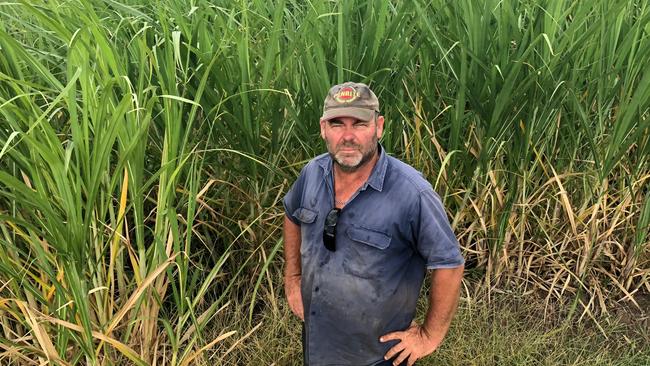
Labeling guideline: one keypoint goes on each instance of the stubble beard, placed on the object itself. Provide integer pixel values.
(351, 164)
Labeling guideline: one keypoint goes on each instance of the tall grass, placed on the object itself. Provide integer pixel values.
(144, 150)
(102, 213)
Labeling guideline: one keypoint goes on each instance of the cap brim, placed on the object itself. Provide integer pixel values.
(362, 114)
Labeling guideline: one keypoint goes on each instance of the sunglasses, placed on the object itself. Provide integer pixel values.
(329, 232)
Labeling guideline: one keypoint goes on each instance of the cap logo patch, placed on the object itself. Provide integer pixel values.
(346, 95)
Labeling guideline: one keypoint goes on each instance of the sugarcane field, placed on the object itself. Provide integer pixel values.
(324, 182)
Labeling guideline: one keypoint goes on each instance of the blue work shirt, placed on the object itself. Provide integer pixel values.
(391, 230)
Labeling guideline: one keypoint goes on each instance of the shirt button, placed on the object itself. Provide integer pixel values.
(316, 289)
(313, 313)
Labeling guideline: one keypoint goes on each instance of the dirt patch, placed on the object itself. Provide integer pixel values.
(636, 318)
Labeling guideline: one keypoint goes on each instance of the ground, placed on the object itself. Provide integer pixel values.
(505, 328)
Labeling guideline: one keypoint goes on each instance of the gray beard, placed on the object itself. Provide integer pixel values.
(364, 160)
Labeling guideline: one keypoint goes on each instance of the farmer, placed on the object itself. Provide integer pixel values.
(361, 230)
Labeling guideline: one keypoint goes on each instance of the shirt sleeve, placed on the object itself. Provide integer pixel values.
(435, 239)
(293, 199)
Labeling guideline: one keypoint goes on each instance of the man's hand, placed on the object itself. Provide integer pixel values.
(294, 295)
(418, 341)
(414, 344)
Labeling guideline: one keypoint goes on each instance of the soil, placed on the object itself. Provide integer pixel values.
(636, 318)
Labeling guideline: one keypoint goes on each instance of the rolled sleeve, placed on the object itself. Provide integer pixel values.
(293, 199)
(435, 240)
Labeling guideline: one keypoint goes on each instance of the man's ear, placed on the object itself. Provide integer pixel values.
(322, 128)
(380, 126)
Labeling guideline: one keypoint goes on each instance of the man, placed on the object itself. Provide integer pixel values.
(360, 231)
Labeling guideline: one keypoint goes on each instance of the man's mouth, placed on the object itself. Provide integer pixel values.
(348, 149)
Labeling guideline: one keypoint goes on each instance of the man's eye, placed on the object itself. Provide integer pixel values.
(361, 125)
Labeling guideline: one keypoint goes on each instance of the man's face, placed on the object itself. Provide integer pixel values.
(351, 142)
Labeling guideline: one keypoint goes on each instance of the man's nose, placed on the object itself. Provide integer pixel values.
(348, 133)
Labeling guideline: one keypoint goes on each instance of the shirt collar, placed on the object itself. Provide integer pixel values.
(376, 178)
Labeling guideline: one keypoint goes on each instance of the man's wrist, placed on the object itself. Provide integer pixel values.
(292, 275)
(431, 337)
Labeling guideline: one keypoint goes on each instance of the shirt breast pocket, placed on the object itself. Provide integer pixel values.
(305, 215)
(367, 252)
(308, 219)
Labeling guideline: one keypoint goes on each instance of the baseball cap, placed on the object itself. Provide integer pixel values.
(350, 100)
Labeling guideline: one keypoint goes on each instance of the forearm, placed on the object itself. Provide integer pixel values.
(443, 301)
(291, 233)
